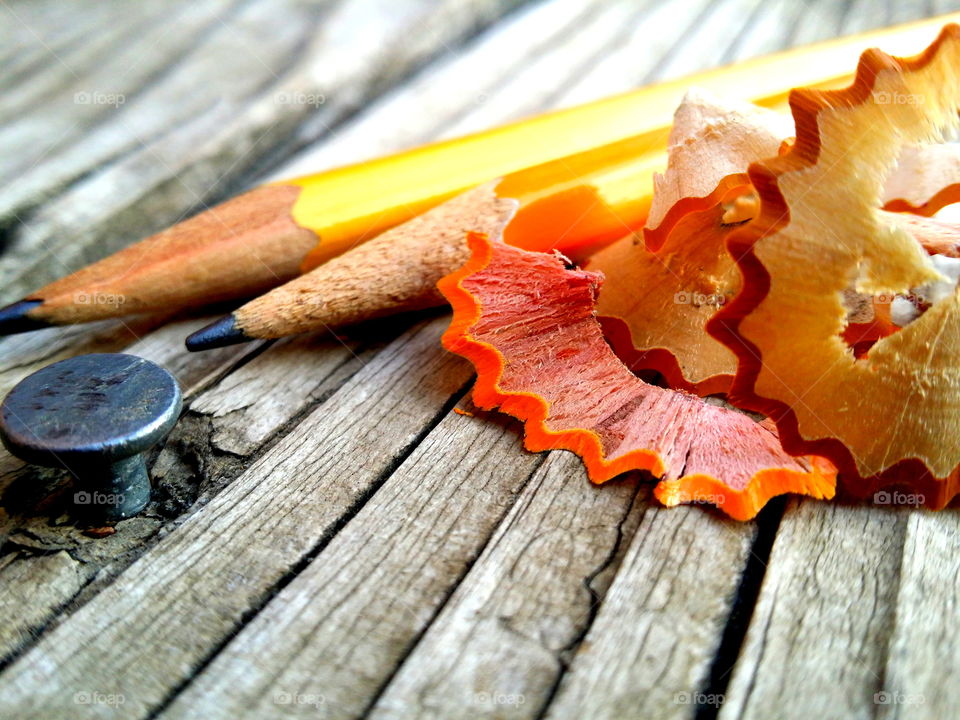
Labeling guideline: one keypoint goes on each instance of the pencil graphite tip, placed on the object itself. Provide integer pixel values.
(220, 333)
(14, 318)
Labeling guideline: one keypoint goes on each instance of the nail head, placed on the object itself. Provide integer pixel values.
(94, 415)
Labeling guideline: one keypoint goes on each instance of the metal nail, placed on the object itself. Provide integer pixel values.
(94, 415)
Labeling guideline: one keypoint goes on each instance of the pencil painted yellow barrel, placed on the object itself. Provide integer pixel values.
(348, 205)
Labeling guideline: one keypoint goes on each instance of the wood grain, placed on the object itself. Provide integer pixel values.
(256, 405)
(31, 589)
(649, 651)
(922, 652)
(819, 634)
(419, 110)
(504, 637)
(225, 428)
(251, 404)
(339, 629)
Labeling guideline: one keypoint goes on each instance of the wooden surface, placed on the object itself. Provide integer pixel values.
(328, 538)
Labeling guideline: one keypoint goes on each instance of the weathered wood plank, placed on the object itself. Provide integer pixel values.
(923, 654)
(193, 371)
(339, 629)
(108, 60)
(147, 632)
(633, 61)
(938, 7)
(503, 75)
(899, 12)
(862, 15)
(818, 637)
(34, 499)
(38, 35)
(533, 86)
(819, 21)
(649, 651)
(706, 40)
(249, 405)
(238, 418)
(234, 419)
(773, 27)
(209, 448)
(422, 109)
(138, 129)
(54, 133)
(502, 640)
(521, 66)
(231, 423)
(30, 592)
(220, 403)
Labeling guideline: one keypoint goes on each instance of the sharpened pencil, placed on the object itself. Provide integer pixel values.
(395, 272)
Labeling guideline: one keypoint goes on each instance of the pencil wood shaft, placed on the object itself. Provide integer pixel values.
(396, 271)
(196, 261)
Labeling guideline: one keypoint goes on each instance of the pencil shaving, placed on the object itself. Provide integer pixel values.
(834, 304)
(527, 323)
(897, 402)
(659, 294)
